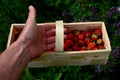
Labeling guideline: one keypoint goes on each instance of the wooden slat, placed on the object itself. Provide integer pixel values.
(59, 36)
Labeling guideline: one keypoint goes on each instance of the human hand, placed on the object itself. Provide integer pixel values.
(37, 38)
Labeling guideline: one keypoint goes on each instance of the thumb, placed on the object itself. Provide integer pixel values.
(32, 15)
(31, 20)
(30, 23)
(32, 12)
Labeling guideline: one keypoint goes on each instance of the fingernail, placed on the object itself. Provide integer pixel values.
(30, 6)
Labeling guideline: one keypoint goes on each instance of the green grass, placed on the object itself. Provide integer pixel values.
(16, 11)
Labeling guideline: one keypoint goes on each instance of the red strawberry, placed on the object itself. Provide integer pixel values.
(91, 31)
(81, 42)
(76, 48)
(75, 39)
(69, 36)
(100, 47)
(88, 34)
(98, 32)
(65, 46)
(83, 32)
(83, 48)
(76, 32)
(69, 42)
(81, 36)
(87, 41)
(94, 37)
(95, 48)
(100, 41)
(91, 46)
(68, 49)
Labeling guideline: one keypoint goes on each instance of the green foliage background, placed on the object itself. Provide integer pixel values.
(16, 11)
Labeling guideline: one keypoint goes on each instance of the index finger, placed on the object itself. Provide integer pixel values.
(52, 32)
(49, 26)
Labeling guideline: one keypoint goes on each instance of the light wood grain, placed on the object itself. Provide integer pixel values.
(59, 37)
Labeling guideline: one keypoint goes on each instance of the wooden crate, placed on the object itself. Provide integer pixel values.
(71, 58)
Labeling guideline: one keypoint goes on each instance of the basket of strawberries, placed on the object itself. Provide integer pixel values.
(87, 43)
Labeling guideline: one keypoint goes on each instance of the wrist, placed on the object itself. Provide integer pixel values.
(25, 47)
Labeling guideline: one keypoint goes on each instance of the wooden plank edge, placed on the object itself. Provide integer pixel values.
(9, 36)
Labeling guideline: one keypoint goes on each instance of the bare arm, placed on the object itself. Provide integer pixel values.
(32, 42)
(13, 61)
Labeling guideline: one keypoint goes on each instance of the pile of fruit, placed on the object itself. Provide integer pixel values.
(78, 40)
